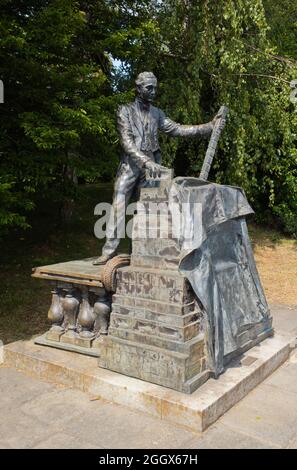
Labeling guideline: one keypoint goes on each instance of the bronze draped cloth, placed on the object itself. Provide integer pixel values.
(219, 263)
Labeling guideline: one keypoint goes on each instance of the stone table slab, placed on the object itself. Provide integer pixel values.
(77, 271)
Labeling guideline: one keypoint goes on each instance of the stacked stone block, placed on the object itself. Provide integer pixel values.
(154, 331)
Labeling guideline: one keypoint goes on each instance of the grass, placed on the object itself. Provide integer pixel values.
(24, 301)
(276, 258)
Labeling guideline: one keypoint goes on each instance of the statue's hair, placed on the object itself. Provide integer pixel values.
(143, 76)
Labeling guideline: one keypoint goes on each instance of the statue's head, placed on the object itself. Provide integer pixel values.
(146, 86)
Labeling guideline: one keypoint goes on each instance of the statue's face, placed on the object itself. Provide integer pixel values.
(147, 90)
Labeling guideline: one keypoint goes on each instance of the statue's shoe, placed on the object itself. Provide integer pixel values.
(103, 259)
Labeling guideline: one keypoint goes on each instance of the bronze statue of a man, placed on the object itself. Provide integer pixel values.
(138, 125)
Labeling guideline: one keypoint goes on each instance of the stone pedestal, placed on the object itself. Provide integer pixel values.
(142, 319)
(154, 331)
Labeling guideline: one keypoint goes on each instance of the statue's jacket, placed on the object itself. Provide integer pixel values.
(138, 127)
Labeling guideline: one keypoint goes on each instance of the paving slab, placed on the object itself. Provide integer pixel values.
(285, 378)
(58, 407)
(62, 440)
(293, 443)
(19, 431)
(220, 436)
(284, 318)
(13, 391)
(71, 419)
(4, 444)
(266, 413)
(72, 411)
(117, 427)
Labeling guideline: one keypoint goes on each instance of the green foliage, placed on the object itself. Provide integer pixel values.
(59, 106)
(282, 20)
(9, 202)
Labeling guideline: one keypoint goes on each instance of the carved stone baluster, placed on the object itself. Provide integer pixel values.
(55, 316)
(86, 317)
(102, 311)
(70, 305)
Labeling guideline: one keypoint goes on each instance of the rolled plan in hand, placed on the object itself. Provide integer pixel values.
(211, 149)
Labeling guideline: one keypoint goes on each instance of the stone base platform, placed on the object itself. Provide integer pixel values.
(73, 347)
(196, 411)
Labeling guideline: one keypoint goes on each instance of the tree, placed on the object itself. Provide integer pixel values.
(282, 20)
(58, 101)
(61, 93)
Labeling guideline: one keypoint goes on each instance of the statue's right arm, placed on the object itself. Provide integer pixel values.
(174, 129)
(126, 137)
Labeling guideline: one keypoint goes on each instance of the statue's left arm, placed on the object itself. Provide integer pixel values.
(175, 129)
